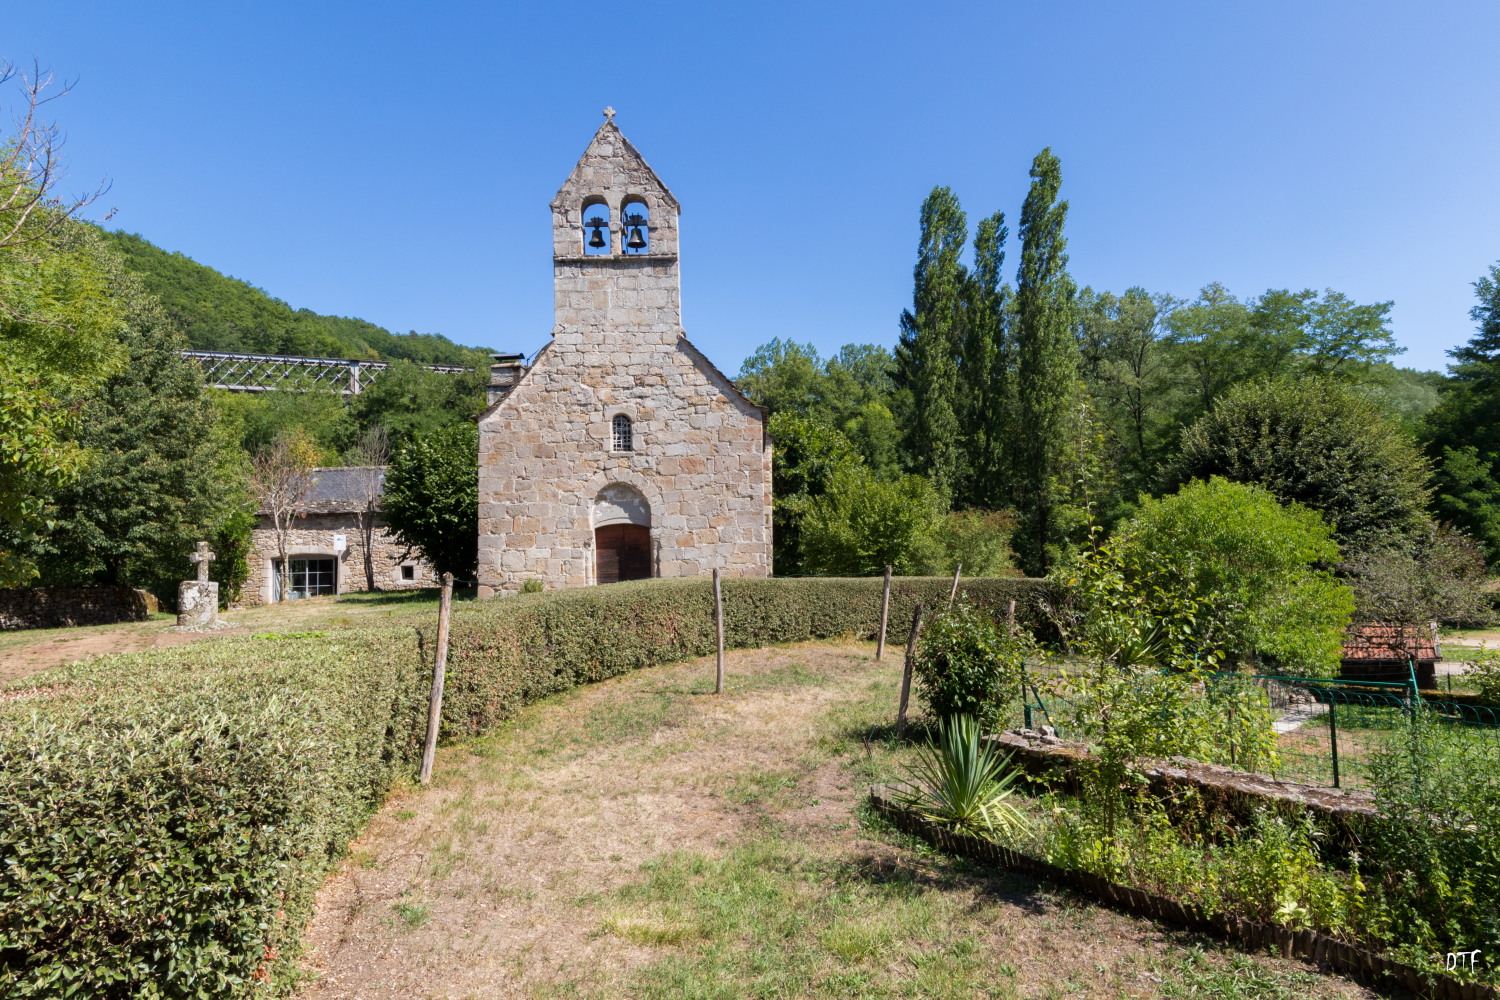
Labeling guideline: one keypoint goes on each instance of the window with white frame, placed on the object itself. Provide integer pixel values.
(624, 438)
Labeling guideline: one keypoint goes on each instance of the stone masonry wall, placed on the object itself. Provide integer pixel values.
(701, 459)
(312, 535)
(54, 607)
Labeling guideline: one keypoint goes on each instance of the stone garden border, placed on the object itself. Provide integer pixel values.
(1325, 951)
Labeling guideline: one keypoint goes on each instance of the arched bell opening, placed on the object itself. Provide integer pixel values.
(622, 535)
(635, 226)
(598, 237)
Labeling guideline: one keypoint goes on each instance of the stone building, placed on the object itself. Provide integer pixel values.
(326, 545)
(621, 452)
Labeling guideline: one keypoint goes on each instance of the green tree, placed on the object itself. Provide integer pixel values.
(1320, 443)
(1046, 368)
(932, 337)
(808, 454)
(1463, 432)
(874, 434)
(157, 481)
(861, 524)
(60, 328)
(407, 399)
(431, 500)
(988, 409)
(257, 419)
(785, 377)
(1128, 370)
(1258, 568)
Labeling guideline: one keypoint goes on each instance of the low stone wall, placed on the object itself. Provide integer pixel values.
(53, 607)
(1240, 792)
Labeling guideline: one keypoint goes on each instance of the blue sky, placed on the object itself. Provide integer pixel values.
(395, 161)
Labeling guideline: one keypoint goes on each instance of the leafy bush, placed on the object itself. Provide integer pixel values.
(1437, 854)
(979, 540)
(967, 664)
(508, 652)
(862, 524)
(1255, 567)
(166, 817)
(961, 781)
(1269, 870)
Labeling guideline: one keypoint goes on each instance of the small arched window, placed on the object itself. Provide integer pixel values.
(623, 438)
(597, 237)
(635, 226)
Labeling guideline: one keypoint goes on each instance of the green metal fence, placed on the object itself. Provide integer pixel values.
(1330, 730)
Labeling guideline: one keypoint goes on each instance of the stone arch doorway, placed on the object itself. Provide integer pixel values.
(622, 535)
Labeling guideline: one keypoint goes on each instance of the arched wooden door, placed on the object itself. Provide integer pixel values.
(622, 552)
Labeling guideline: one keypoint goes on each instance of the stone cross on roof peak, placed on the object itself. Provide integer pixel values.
(609, 113)
(202, 557)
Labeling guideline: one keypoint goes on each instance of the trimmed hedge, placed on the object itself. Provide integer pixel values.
(167, 817)
(505, 654)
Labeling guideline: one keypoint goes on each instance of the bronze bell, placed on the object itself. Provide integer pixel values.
(597, 240)
(637, 241)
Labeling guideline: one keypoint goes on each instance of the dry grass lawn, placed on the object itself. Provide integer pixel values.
(643, 838)
(29, 651)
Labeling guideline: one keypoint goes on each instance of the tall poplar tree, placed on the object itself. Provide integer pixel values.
(932, 333)
(985, 371)
(1046, 368)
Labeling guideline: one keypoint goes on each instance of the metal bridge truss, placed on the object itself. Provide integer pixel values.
(264, 372)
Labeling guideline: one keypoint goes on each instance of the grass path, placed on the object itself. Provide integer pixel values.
(642, 838)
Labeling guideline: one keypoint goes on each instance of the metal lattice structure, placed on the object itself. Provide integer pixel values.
(265, 372)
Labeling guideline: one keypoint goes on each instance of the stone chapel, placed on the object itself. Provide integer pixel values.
(620, 452)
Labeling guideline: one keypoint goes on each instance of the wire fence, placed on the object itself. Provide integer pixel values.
(1329, 731)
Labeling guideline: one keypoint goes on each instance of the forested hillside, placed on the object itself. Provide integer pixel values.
(220, 313)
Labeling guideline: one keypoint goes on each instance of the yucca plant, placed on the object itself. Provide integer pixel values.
(960, 781)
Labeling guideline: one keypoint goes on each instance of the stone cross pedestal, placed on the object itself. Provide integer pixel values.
(198, 600)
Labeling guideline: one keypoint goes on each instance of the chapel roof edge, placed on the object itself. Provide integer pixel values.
(609, 130)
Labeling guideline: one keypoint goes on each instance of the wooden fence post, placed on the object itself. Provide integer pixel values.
(1010, 619)
(911, 649)
(885, 614)
(719, 630)
(439, 669)
(954, 592)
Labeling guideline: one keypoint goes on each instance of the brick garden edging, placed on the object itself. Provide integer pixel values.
(1319, 948)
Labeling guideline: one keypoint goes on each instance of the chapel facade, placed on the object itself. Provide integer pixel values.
(620, 452)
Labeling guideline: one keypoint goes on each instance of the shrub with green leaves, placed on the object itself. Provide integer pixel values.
(1258, 569)
(166, 817)
(1436, 855)
(968, 663)
(962, 781)
(509, 652)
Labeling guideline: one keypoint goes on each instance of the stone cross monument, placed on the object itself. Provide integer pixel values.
(198, 600)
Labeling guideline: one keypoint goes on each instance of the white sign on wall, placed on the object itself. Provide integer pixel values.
(340, 543)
